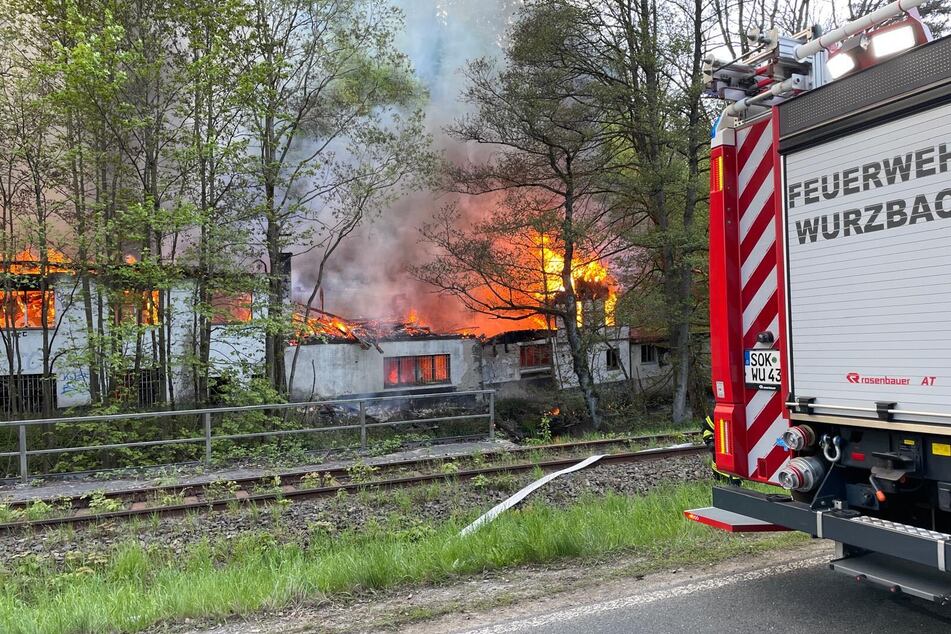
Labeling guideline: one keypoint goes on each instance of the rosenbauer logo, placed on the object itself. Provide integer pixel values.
(855, 377)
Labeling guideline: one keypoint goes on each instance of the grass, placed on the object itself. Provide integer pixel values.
(135, 587)
(658, 429)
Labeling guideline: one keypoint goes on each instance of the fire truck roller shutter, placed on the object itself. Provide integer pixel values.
(868, 233)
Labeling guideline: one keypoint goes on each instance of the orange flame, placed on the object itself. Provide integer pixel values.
(326, 325)
(130, 259)
(590, 279)
(27, 262)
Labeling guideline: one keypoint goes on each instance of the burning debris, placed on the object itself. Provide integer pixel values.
(327, 327)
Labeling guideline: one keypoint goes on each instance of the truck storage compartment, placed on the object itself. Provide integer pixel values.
(868, 252)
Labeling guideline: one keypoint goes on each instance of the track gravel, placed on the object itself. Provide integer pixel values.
(411, 509)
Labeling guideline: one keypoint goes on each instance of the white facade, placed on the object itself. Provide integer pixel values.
(343, 368)
(233, 348)
(615, 357)
(503, 370)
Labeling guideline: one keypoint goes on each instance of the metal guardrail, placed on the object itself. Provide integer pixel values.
(23, 451)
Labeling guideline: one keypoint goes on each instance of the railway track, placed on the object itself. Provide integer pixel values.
(181, 499)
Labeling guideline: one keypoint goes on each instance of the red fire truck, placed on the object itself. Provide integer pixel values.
(830, 283)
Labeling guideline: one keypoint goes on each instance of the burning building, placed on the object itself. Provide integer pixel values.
(335, 356)
(330, 356)
(46, 357)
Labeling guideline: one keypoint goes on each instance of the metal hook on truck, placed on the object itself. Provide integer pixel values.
(830, 247)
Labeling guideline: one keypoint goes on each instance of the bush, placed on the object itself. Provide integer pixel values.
(624, 411)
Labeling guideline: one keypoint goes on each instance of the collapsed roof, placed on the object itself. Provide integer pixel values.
(317, 326)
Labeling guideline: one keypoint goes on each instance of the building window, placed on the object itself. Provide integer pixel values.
(138, 307)
(230, 308)
(143, 387)
(24, 309)
(534, 355)
(24, 393)
(648, 354)
(613, 359)
(219, 389)
(430, 369)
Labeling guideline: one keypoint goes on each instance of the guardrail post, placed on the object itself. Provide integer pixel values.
(207, 419)
(363, 425)
(24, 473)
(491, 415)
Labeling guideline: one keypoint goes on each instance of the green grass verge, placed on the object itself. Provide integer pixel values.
(132, 587)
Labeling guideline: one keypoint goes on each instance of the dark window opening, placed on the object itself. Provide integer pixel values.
(143, 387)
(613, 359)
(648, 354)
(534, 355)
(23, 393)
(219, 388)
(430, 369)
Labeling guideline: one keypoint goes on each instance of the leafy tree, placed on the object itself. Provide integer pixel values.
(550, 166)
(214, 155)
(646, 60)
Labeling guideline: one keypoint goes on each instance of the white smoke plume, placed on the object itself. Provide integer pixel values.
(370, 276)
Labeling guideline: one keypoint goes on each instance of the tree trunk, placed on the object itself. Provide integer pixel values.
(274, 361)
(576, 346)
(684, 353)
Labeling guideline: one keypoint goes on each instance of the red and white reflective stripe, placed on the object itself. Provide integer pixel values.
(758, 283)
(757, 230)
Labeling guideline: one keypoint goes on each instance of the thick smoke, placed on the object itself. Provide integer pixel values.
(370, 276)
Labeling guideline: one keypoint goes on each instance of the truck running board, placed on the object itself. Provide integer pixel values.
(730, 522)
(931, 549)
(897, 576)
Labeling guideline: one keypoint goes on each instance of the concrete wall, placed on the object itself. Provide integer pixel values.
(501, 370)
(337, 369)
(628, 356)
(647, 374)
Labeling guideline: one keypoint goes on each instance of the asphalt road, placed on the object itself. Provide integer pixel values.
(791, 597)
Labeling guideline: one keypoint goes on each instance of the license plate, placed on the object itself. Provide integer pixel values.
(762, 369)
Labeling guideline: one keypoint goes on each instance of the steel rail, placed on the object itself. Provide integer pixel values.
(290, 493)
(137, 494)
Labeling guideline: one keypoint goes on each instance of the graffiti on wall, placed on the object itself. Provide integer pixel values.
(73, 381)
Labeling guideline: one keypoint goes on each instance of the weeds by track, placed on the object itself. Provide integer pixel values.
(181, 499)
